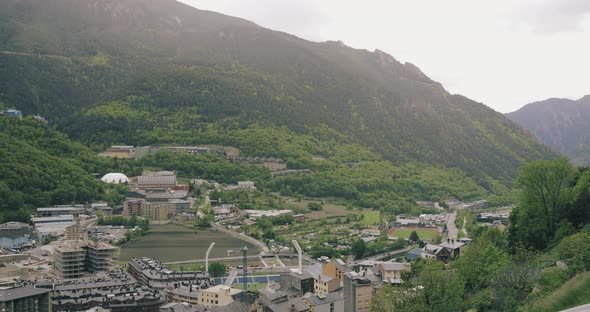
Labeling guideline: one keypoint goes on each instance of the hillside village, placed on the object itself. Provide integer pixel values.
(75, 242)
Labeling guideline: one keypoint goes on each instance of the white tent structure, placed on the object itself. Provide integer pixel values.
(115, 178)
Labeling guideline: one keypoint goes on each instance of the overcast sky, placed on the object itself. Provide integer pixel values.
(504, 53)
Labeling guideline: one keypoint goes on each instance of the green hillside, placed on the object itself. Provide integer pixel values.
(41, 167)
(155, 72)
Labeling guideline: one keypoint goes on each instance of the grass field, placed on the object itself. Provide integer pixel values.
(573, 293)
(172, 242)
(404, 233)
(371, 217)
(328, 211)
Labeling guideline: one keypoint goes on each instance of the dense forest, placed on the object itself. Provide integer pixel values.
(41, 167)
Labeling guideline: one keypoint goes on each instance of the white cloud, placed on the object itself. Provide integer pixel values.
(547, 16)
(504, 53)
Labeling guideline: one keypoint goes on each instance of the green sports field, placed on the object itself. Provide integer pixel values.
(427, 234)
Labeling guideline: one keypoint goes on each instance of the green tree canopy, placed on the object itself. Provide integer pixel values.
(359, 248)
(217, 269)
(545, 193)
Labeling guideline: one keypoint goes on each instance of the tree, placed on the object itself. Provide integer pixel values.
(575, 250)
(359, 248)
(482, 260)
(314, 206)
(217, 269)
(429, 287)
(437, 239)
(545, 193)
(414, 237)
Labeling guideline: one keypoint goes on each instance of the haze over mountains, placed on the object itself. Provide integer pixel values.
(561, 124)
(160, 72)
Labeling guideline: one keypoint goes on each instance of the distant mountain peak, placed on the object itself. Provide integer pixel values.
(560, 123)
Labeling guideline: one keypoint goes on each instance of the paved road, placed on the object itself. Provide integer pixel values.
(452, 230)
(584, 308)
(464, 229)
(242, 236)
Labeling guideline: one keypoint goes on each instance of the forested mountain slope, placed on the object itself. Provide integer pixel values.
(561, 124)
(158, 71)
(41, 167)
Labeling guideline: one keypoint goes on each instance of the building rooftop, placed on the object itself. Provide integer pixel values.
(43, 209)
(76, 245)
(62, 218)
(393, 266)
(165, 195)
(122, 147)
(13, 226)
(453, 244)
(223, 288)
(415, 252)
(341, 265)
(116, 296)
(160, 275)
(52, 227)
(315, 300)
(406, 221)
(183, 307)
(324, 278)
(432, 249)
(294, 305)
(20, 292)
(156, 179)
(357, 278)
(304, 275)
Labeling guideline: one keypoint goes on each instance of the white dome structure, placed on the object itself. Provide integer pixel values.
(115, 178)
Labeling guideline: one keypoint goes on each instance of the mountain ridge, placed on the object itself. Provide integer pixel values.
(131, 64)
(562, 124)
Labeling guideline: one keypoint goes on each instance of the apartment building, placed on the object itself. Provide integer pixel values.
(72, 258)
(358, 291)
(25, 299)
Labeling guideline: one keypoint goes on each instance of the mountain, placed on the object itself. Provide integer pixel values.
(561, 124)
(159, 72)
